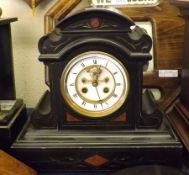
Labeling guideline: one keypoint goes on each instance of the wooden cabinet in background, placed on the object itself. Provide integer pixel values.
(11, 166)
(179, 115)
(32, 3)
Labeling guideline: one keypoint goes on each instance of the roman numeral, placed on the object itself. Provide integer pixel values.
(75, 95)
(83, 103)
(115, 73)
(115, 95)
(118, 84)
(95, 106)
(82, 64)
(94, 61)
(72, 84)
(106, 103)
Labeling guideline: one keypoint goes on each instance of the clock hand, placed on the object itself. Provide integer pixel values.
(100, 101)
(84, 80)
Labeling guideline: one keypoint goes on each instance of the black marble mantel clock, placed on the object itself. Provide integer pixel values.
(95, 60)
(96, 116)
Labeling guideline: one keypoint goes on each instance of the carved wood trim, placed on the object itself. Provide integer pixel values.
(184, 9)
(165, 85)
(179, 118)
(58, 11)
(168, 40)
(180, 112)
(180, 3)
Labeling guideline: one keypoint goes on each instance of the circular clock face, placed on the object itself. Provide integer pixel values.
(95, 84)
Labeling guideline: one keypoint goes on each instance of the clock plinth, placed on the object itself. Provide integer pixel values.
(94, 150)
(96, 116)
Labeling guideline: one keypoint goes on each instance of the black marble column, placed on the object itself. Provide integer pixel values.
(7, 86)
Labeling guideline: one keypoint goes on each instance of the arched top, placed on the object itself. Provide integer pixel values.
(108, 18)
(96, 26)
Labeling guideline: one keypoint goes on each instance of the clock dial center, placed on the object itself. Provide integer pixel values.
(95, 77)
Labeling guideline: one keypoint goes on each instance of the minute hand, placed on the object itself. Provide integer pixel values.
(100, 101)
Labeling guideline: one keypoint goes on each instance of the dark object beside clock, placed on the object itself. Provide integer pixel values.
(93, 117)
(7, 86)
(12, 110)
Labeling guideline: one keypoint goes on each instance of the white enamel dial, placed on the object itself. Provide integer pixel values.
(94, 84)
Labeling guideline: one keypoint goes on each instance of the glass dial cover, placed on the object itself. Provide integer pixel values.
(94, 84)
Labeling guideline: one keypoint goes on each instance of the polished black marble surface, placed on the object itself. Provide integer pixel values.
(7, 84)
(142, 170)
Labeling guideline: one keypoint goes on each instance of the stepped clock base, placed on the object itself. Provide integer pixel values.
(51, 149)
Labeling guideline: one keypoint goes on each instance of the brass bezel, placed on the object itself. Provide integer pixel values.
(85, 112)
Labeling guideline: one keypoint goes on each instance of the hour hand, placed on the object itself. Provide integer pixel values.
(93, 81)
(85, 80)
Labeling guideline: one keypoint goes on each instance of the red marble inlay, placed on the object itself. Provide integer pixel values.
(95, 23)
(96, 160)
(121, 118)
(71, 118)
